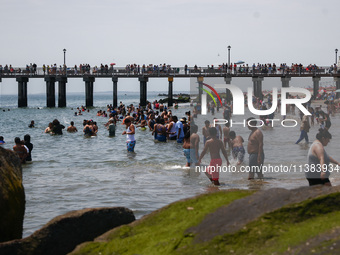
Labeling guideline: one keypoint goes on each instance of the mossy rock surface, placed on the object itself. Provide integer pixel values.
(305, 221)
(162, 231)
(12, 196)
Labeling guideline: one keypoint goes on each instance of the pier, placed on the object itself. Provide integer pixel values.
(61, 76)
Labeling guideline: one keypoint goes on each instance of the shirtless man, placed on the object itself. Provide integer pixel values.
(237, 145)
(214, 145)
(194, 144)
(191, 145)
(255, 149)
(219, 130)
(72, 128)
(20, 149)
(205, 131)
(226, 138)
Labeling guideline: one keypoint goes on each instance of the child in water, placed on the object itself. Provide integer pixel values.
(237, 145)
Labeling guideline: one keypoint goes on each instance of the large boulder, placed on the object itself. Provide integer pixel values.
(276, 221)
(12, 196)
(230, 219)
(62, 234)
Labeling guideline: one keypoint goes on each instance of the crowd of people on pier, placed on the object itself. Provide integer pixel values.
(239, 68)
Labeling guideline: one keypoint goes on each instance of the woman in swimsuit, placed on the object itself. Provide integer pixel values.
(161, 131)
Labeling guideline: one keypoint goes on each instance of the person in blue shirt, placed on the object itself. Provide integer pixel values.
(179, 130)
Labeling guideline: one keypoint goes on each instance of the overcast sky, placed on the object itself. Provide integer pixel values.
(175, 32)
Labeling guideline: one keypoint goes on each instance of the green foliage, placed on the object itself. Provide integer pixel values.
(279, 231)
(163, 231)
(285, 230)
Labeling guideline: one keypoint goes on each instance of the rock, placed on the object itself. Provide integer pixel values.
(231, 218)
(12, 196)
(62, 234)
(276, 221)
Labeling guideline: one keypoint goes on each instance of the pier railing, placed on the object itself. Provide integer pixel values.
(172, 71)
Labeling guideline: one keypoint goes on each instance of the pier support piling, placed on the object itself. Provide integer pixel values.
(229, 96)
(200, 80)
(337, 85)
(22, 91)
(170, 91)
(115, 91)
(316, 85)
(89, 80)
(285, 81)
(143, 90)
(62, 80)
(257, 82)
(50, 91)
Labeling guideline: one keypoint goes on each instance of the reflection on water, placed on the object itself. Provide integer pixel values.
(71, 172)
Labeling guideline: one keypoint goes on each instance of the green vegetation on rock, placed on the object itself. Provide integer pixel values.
(309, 227)
(278, 232)
(163, 231)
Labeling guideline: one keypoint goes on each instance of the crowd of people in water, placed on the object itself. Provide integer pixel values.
(237, 68)
(164, 126)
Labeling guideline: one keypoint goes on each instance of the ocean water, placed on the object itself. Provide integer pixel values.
(70, 172)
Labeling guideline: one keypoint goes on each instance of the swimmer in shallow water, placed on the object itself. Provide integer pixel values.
(142, 125)
(214, 145)
(237, 145)
(31, 125)
(20, 149)
(72, 128)
(49, 128)
(88, 129)
(112, 128)
(130, 135)
(160, 131)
